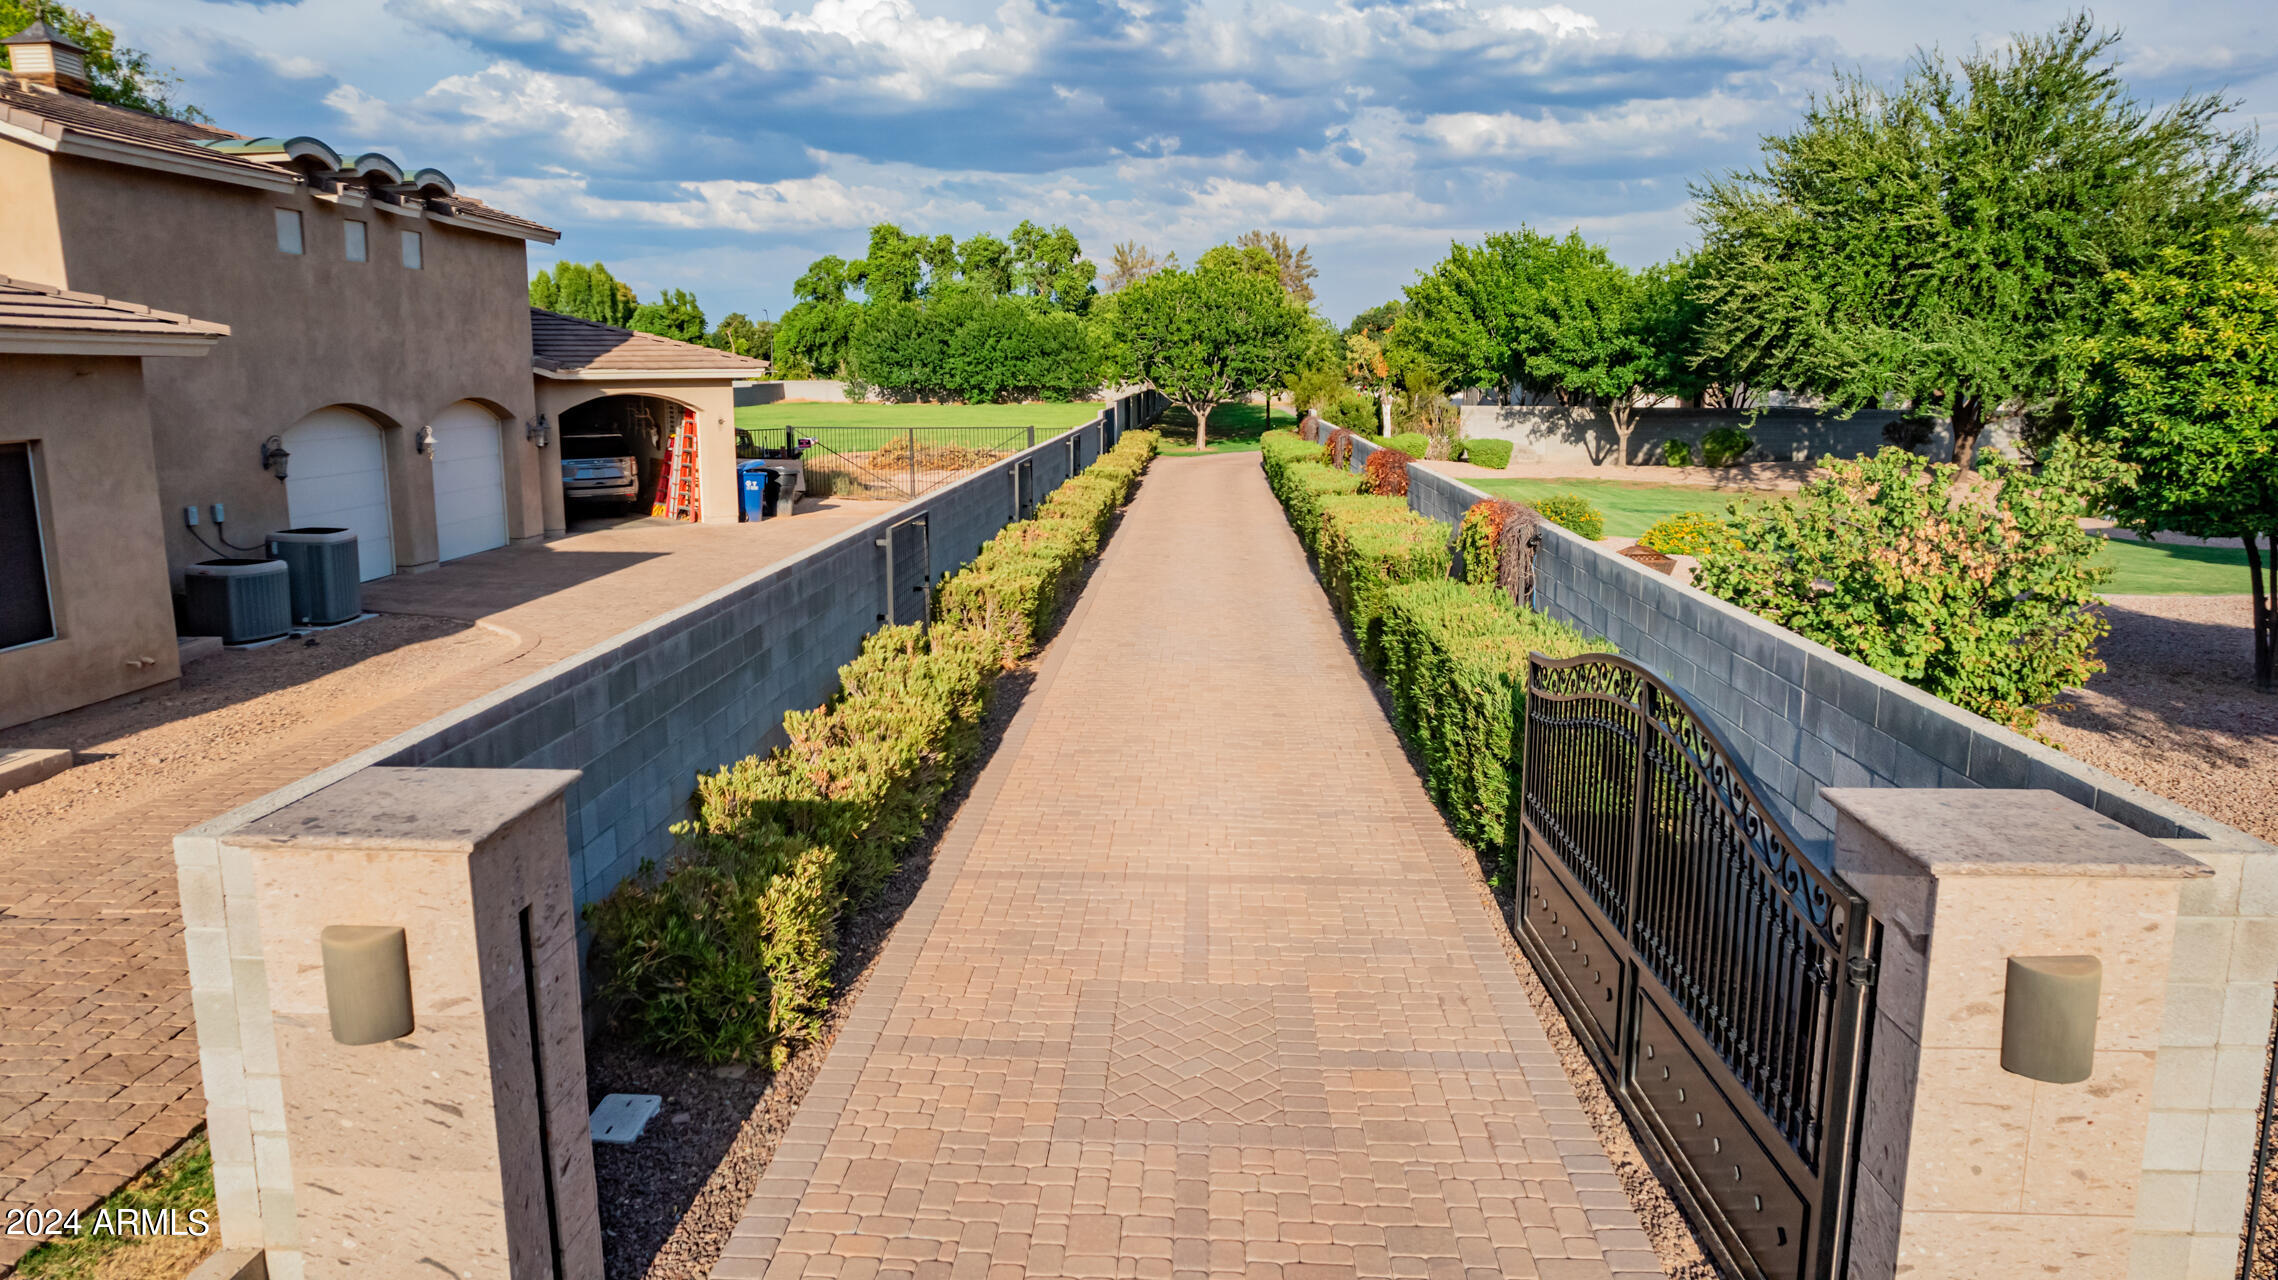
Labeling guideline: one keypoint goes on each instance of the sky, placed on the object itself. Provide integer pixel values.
(721, 145)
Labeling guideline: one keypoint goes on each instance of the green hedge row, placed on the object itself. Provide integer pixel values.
(1455, 659)
(1301, 481)
(1492, 454)
(1368, 544)
(726, 953)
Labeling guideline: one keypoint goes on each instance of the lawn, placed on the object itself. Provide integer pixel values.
(860, 428)
(2138, 568)
(1234, 428)
(181, 1183)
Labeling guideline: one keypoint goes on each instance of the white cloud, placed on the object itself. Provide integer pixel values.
(501, 103)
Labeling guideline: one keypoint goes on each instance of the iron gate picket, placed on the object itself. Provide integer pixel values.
(1722, 983)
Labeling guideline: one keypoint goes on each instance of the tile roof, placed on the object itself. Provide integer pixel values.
(37, 308)
(56, 114)
(566, 344)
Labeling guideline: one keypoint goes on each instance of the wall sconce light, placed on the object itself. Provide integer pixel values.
(2048, 1017)
(274, 457)
(367, 982)
(535, 431)
(426, 440)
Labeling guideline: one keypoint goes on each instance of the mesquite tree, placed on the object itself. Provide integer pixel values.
(1210, 335)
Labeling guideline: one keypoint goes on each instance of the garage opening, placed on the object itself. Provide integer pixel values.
(339, 479)
(470, 481)
(612, 452)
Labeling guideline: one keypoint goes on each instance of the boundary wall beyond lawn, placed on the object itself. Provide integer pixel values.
(1552, 433)
(1801, 717)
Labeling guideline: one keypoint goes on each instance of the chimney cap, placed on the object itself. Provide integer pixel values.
(41, 33)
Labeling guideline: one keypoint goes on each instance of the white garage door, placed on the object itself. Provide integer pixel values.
(337, 477)
(470, 482)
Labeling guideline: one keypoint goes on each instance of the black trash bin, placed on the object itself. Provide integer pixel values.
(772, 500)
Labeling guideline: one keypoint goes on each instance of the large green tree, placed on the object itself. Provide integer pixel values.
(584, 290)
(117, 74)
(2182, 385)
(1219, 332)
(738, 334)
(673, 315)
(1938, 242)
(1049, 263)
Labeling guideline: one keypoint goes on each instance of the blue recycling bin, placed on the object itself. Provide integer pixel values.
(753, 480)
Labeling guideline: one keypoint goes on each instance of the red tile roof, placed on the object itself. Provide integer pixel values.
(37, 308)
(566, 344)
(58, 114)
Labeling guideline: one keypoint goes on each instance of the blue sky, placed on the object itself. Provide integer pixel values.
(720, 145)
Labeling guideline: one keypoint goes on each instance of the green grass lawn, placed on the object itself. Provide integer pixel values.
(182, 1182)
(1234, 428)
(859, 428)
(2138, 568)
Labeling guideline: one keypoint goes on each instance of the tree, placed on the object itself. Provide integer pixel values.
(1613, 340)
(673, 315)
(586, 291)
(1939, 242)
(895, 267)
(985, 263)
(1129, 263)
(1295, 266)
(2182, 386)
(740, 335)
(116, 74)
(1217, 333)
(1049, 264)
(1376, 323)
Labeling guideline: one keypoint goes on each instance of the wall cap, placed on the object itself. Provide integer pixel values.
(1985, 831)
(420, 810)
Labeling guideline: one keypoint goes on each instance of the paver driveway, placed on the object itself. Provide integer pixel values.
(98, 1059)
(1199, 984)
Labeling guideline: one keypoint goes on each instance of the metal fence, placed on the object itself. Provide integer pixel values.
(895, 464)
(1721, 981)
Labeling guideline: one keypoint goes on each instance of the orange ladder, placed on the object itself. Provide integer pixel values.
(678, 494)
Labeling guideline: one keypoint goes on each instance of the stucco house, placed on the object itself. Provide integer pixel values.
(368, 361)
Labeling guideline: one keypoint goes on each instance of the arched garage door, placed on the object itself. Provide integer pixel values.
(337, 477)
(470, 482)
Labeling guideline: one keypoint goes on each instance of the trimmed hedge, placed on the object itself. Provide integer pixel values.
(1413, 443)
(1725, 446)
(1367, 545)
(1385, 474)
(1677, 453)
(1574, 512)
(1455, 659)
(1492, 454)
(726, 953)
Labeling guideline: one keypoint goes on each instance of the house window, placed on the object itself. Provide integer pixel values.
(355, 232)
(411, 249)
(288, 231)
(26, 614)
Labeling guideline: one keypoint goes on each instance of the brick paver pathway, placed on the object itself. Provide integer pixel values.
(1198, 985)
(98, 1058)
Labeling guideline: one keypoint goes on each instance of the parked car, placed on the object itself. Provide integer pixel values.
(600, 467)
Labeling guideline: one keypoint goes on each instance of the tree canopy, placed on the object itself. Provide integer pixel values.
(1216, 333)
(116, 74)
(584, 290)
(673, 315)
(1934, 244)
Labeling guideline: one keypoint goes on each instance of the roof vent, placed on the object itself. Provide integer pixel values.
(39, 54)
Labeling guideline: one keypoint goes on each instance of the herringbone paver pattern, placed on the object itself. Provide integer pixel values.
(1199, 985)
(98, 1055)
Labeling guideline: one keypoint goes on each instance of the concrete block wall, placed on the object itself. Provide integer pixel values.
(1551, 433)
(1802, 717)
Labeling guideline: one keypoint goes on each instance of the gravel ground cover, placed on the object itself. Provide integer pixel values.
(2176, 711)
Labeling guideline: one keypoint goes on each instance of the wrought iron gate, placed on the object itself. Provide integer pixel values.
(909, 571)
(1722, 982)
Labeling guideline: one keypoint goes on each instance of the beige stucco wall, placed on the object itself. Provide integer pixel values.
(106, 563)
(715, 404)
(307, 331)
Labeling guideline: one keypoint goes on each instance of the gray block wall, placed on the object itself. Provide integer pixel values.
(1549, 433)
(1797, 714)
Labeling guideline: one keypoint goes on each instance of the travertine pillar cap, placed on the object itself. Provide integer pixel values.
(437, 810)
(1997, 832)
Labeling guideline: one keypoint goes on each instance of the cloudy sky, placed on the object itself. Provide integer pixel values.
(720, 145)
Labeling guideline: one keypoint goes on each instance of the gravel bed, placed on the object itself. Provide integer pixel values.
(2176, 712)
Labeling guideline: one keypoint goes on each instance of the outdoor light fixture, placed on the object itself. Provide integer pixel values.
(535, 431)
(274, 457)
(426, 440)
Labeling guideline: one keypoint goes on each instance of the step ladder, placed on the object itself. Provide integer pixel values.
(678, 496)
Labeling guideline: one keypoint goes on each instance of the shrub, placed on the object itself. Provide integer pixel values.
(1340, 447)
(1677, 453)
(1413, 443)
(1386, 473)
(1574, 512)
(1725, 446)
(1278, 450)
(1352, 411)
(1367, 545)
(726, 953)
(1979, 590)
(1308, 483)
(1455, 658)
(1688, 533)
(1491, 454)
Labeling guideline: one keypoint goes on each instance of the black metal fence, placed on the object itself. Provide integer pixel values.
(1723, 983)
(895, 464)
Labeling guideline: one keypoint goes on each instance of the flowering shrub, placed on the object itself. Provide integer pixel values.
(1979, 590)
(1386, 473)
(1687, 533)
(1573, 512)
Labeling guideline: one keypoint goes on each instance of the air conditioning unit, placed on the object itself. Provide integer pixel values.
(327, 580)
(242, 601)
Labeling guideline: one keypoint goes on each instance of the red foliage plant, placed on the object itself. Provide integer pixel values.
(1386, 474)
(1340, 444)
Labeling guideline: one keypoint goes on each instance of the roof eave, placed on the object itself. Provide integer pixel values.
(84, 342)
(581, 374)
(496, 226)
